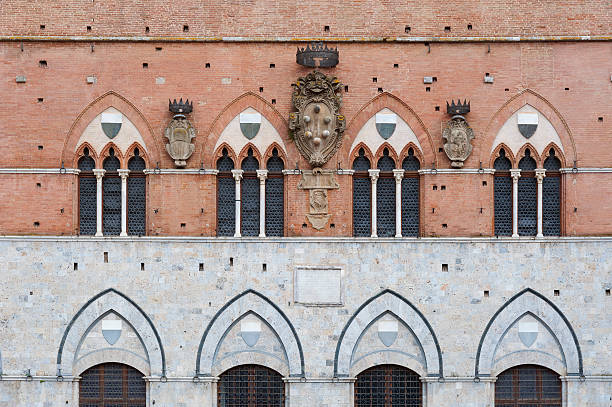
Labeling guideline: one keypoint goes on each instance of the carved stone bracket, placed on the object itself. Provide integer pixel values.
(317, 182)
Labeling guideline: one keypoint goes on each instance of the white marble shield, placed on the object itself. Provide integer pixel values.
(385, 124)
(250, 332)
(387, 332)
(528, 332)
(111, 330)
(527, 123)
(250, 124)
(111, 123)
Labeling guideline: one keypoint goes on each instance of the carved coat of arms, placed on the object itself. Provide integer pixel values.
(179, 133)
(317, 126)
(458, 135)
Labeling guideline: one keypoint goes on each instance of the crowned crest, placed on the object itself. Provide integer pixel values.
(458, 134)
(317, 55)
(317, 126)
(180, 132)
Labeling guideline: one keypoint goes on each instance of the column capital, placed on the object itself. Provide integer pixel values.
(237, 174)
(123, 173)
(99, 173)
(374, 174)
(262, 175)
(515, 174)
(540, 174)
(399, 175)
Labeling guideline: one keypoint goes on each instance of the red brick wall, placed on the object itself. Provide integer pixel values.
(546, 69)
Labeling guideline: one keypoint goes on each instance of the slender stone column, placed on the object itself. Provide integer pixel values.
(399, 175)
(99, 173)
(516, 174)
(124, 175)
(262, 175)
(237, 177)
(540, 174)
(374, 174)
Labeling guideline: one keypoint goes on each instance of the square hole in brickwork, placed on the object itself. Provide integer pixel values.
(332, 225)
(36, 224)
(158, 48)
(105, 257)
(75, 266)
(434, 78)
(207, 65)
(435, 187)
(433, 210)
(142, 267)
(273, 101)
(147, 30)
(38, 185)
(427, 89)
(445, 267)
(260, 89)
(145, 65)
(484, 183)
(42, 27)
(407, 29)
(201, 267)
(440, 149)
(469, 26)
(304, 226)
(396, 65)
(444, 226)
(437, 108)
(185, 28)
(264, 267)
(486, 293)
(380, 90)
(42, 63)
(507, 90)
(443, 187)
(326, 28)
(88, 28)
(556, 293)
(608, 292)
(374, 80)
(346, 88)
(566, 88)
(272, 65)
(600, 119)
(40, 100)
(447, 29)
(183, 225)
(40, 148)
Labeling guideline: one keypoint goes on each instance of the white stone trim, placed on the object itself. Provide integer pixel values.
(460, 171)
(341, 171)
(292, 172)
(585, 170)
(180, 171)
(72, 171)
(33, 378)
(319, 379)
(183, 379)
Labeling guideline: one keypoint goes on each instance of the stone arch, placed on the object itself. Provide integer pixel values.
(367, 153)
(231, 111)
(534, 154)
(129, 153)
(512, 106)
(509, 155)
(250, 301)
(79, 153)
(244, 153)
(105, 153)
(529, 302)
(392, 154)
(99, 105)
(417, 153)
(107, 301)
(388, 301)
(382, 101)
(282, 154)
(219, 153)
(558, 153)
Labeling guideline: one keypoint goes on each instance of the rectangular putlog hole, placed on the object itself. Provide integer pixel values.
(608, 292)
(556, 293)
(142, 267)
(444, 267)
(42, 63)
(40, 100)
(75, 266)
(231, 262)
(486, 293)
(40, 147)
(264, 267)
(105, 257)
(145, 65)
(272, 65)
(201, 267)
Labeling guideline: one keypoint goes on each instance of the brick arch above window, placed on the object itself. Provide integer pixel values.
(507, 153)
(356, 153)
(142, 153)
(116, 103)
(549, 118)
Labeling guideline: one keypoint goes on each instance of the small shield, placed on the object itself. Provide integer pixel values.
(527, 123)
(111, 124)
(385, 124)
(528, 332)
(111, 330)
(250, 332)
(249, 124)
(387, 332)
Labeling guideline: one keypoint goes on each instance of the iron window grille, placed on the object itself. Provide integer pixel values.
(527, 197)
(411, 195)
(111, 196)
(528, 386)
(136, 196)
(250, 386)
(87, 195)
(226, 196)
(362, 191)
(551, 196)
(249, 196)
(112, 385)
(385, 196)
(502, 195)
(275, 196)
(388, 386)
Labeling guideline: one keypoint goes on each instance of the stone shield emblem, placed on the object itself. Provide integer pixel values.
(387, 332)
(250, 124)
(111, 330)
(250, 332)
(528, 332)
(527, 123)
(111, 124)
(457, 136)
(385, 124)
(179, 133)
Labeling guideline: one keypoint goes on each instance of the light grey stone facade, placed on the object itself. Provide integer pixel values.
(545, 303)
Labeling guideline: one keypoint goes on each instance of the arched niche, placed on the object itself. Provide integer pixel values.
(505, 343)
(88, 318)
(391, 304)
(254, 304)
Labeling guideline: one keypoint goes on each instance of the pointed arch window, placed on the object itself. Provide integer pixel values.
(551, 196)
(87, 195)
(136, 196)
(249, 196)
(410, 195)
(388, 386)
(226, 196)
(112, 385)
(528, 385)
(275, 191)
(527, 196)
(502, 195)
(251, 386)
(362, 190)
(111, 196)
(385, 196)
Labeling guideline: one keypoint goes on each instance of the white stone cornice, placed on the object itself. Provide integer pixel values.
(292, 172)
(183, 379)
(460, 171)
(585, 170)
(319, 379)
(340, 171)
(72, 171)
(23, 378)
(181, 171)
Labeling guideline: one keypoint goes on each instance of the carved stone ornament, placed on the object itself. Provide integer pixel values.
(317, 127)
(457, 136)
(179, 133)
(317, 182)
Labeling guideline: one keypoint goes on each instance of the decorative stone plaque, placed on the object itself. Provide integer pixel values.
(180, 132)
(317, 182)
(318, 285)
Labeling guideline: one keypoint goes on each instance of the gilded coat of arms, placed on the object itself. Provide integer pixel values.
(179, 133)
(317, 127)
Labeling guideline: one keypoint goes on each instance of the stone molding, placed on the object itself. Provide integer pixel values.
(388, 302)
(253, 302)
(96, 308)
(530, 302)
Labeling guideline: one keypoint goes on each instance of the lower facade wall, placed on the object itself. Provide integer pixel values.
(461, 311)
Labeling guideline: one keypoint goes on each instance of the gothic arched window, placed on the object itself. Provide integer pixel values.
(502, 195)
(111, 196)
(527, 196)
(362, 202)
(528, 385)
(385, 196)
(250, 386)
(136, 196)
(87, 195)
(112, 385)
(410, 195)
(226, 196)
(249, 196)
(275, 191)
(388, 386)
(551, 196)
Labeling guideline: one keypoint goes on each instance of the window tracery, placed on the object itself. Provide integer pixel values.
(87, 195)
(410, 195)
(226, 196)
(249, 196)
(111, 195)
(502, 195)
(275, 190)
(362, 190)
(136, 196)
(385, 196)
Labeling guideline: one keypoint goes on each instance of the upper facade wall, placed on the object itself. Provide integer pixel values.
(286, 18)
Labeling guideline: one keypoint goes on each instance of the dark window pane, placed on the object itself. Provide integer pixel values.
(388, 386)
(385, 207)
(527, 205)
(502, 198)
(110, 385)
(251, 386)
(226, 211)
(111, 204)
(528, 385)
(361, 206)
(249, 205)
